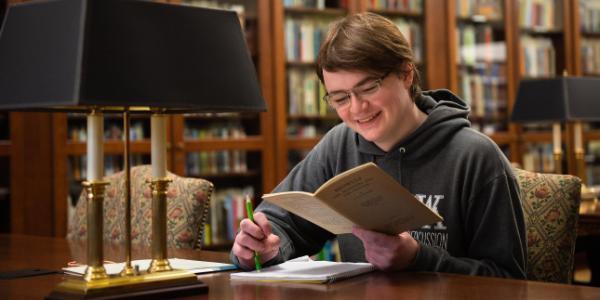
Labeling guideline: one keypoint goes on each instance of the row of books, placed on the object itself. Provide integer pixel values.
(477, 44)
(589, 12)
(538, 56)
(215, 162)
(303, 37)
(483, 87)
(111, 132)
(112, 164)
(224, 130)
(227, 209)
(305, 94)
(539, 157)
(540, 15)
(490, 9)
(411, 6)
(318, 4)
(414, 35)
(590, 55)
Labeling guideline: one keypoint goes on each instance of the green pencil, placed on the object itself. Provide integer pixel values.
(250, 212)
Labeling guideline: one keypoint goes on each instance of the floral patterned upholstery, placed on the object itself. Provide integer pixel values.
(187, 207)
(551, 206)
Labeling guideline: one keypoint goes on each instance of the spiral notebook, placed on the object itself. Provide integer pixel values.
(306, 271)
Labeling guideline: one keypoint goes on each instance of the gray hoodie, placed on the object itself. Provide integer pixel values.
(453, 169)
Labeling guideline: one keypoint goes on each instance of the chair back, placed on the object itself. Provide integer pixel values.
(551, 210)
(187, 210)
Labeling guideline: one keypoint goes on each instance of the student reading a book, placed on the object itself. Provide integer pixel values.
(423, 139)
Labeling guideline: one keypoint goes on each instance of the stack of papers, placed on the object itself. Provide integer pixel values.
(194, 266)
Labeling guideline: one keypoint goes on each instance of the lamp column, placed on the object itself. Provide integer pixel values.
(159, 184)
(95, 187)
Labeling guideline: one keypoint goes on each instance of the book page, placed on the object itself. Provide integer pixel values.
(373, 200)
(306, 272)
(308, 207)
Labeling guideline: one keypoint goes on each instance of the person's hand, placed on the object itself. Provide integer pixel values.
(388, 252)
(255, 236)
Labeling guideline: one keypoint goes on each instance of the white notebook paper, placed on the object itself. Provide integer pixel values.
(194, 266)
(306, 271)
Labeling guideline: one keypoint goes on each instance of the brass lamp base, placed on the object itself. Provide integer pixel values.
(160, 285)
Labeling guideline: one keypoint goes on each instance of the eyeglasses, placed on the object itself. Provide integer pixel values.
(341, 99)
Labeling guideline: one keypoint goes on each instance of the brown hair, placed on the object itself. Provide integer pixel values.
(367, 42)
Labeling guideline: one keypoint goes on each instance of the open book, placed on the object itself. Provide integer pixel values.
(305, 270)
(363, 196)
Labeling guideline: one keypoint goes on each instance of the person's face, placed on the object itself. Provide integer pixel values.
(378, 115)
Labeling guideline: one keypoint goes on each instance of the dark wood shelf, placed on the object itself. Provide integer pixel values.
(300, 64)
(592, 135)
(333, 12)
(502, 138)
(221, 116)
(479, 20)
(252, 143)
(591, 34)
(4, 148)
(394, 13)
(331, 117)
(225, 175)
(537, 137)
(110, 147)
(542, 31)
(298, 143)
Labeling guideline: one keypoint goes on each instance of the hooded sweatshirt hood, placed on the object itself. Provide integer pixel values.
(446, 115)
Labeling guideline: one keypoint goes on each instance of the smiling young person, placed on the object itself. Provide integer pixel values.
(423, 140)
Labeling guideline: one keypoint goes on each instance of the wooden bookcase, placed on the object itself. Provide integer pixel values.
(586, 61)
(39, 146)
(555, 36)
(305, 115)
(481, 38)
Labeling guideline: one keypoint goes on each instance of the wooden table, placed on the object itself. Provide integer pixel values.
(17, 252)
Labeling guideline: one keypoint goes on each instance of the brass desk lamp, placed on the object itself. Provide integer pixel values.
(129, 56)
(556, 100)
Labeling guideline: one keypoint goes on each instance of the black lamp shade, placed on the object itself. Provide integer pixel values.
(557, 100)
(113, 53)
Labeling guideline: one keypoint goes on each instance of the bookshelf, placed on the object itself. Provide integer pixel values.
(301, 116)
(481, 71)
(543, 47)
(409, 17)
(586, 59)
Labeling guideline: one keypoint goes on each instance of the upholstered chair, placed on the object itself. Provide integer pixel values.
(187, 208)
(551, 209)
